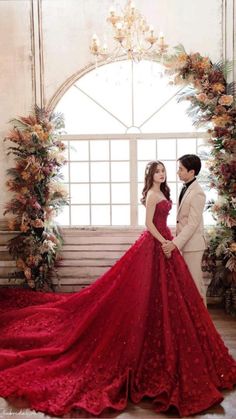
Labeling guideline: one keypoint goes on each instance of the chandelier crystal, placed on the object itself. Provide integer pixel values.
(133, 37)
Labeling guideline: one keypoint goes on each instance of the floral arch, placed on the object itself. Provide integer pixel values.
(212, 105)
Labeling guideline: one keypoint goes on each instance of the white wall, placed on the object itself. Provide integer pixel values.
(45, 42)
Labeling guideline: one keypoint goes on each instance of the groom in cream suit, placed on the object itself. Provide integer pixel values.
(190, 230)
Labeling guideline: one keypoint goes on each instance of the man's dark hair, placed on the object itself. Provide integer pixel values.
(191, 162)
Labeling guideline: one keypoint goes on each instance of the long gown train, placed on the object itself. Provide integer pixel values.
(141, 329)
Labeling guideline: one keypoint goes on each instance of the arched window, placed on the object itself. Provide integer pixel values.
(118, 117)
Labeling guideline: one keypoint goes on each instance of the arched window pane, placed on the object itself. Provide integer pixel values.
(110, 86)
(116, 96)
(84, 116)
(171, 118)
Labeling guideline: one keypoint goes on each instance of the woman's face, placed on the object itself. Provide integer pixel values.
(160, 174)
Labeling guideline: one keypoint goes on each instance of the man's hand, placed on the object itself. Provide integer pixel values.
(168, 247)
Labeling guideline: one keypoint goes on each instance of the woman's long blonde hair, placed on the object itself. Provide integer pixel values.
(148, 181)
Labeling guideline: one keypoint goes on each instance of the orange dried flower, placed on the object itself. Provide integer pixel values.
(226, 100)
(20, 263)
(38, 223)
(25, 175)
(24, 228)
(218, 87)
(11, 224)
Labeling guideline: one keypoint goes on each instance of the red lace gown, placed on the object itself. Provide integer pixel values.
(140, 330)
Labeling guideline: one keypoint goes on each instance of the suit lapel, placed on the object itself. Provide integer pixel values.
(190, 188)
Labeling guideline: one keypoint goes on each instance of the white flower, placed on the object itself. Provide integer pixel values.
(47, 245)
(58, 156)
(221, 200)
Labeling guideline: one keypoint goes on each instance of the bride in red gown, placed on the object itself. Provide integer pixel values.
(141, 329)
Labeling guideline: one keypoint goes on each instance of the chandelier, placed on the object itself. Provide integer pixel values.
(133, 37)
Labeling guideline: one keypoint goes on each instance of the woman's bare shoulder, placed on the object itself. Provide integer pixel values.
(152, 197)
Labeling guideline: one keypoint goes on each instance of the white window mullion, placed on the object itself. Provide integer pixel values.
(69, 179)
(90, 194)
(110, 184)
(177, 194)
(133, 183)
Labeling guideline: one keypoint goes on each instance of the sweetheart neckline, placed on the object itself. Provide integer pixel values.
(162, 201)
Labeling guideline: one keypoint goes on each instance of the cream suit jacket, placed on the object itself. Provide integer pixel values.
(190, 229)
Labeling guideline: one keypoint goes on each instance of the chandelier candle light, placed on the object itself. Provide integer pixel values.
(133, 36)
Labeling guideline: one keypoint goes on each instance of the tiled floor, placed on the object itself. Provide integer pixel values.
(226, 326)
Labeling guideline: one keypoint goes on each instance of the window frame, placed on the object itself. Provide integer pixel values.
(133, 166)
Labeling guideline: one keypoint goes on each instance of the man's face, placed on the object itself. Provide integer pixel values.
(184, 174)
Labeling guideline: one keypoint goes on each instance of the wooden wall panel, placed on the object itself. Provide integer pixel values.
(87, 254)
